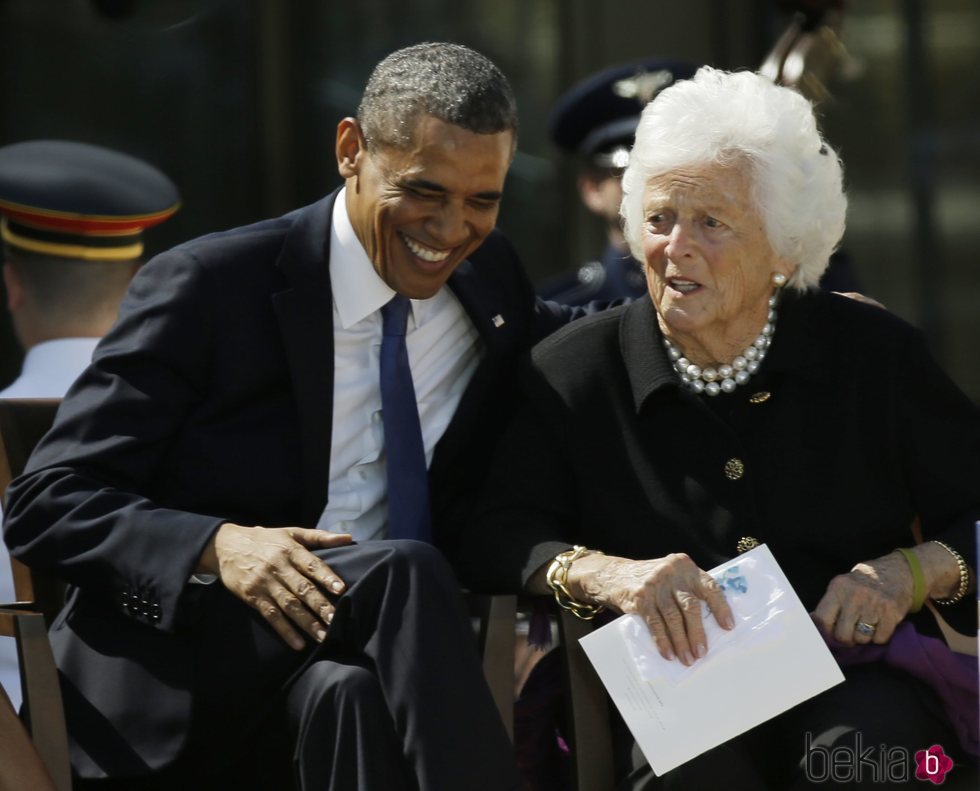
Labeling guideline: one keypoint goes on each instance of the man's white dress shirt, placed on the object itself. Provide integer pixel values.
(443, 352)
(49, 369)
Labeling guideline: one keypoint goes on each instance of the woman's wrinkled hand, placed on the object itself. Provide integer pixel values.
(667, 592)
(875, 594)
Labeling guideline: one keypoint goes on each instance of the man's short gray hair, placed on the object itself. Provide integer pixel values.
(728, 118)
(448, 81)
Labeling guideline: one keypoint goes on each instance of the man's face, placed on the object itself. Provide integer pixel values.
(602, 193)
(420, 211)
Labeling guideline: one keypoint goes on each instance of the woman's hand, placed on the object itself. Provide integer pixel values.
(666, 591)
(877, 594)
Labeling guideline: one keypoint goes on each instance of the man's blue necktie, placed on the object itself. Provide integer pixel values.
(408, 483)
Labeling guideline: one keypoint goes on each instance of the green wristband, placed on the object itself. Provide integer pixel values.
(918, 580)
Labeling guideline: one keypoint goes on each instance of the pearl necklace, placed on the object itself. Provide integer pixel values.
(725, 378)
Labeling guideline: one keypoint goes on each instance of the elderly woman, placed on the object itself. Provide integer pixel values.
(739, 405)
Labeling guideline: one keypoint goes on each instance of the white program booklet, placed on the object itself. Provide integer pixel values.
(772, 660)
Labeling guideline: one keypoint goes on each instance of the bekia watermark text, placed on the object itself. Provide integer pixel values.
(862, 763)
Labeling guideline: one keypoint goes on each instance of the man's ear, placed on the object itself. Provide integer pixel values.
(15, 288)
(350, 147)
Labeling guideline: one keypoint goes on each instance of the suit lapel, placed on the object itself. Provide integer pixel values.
(490, 311)
(305, 313)
(487, 309)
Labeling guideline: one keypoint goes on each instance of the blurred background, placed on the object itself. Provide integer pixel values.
(237, 101)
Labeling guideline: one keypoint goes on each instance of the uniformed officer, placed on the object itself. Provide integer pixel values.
(596, 121)
(71, 220)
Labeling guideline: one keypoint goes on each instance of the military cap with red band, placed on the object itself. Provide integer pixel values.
(74, 200)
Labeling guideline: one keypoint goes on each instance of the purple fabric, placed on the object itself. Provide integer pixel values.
(953, 676)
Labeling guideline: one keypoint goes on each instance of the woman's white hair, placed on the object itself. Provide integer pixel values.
(730, 118)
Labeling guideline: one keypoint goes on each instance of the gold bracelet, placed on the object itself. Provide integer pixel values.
(964, 585)
(557, 578)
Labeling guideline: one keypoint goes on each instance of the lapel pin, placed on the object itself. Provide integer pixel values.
(498, 320)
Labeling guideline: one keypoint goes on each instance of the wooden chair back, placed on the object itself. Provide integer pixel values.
(496, 617)
(22, 424)
(587, 711)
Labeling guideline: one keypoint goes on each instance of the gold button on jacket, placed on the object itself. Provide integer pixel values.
(734, 469)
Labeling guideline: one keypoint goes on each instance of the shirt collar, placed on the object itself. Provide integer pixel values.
(58, 353)
(358, 290)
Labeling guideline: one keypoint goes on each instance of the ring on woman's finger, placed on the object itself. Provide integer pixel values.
(867, 629)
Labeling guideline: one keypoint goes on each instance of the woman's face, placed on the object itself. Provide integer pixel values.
(709, 264)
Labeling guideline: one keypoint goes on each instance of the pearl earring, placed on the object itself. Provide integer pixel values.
(778, 279)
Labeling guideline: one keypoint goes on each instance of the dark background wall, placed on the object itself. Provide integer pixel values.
(237, 100)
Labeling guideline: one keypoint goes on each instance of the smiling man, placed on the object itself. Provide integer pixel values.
(421, 207)
(237, 486)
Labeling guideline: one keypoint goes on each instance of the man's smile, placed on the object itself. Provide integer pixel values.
(419, 250)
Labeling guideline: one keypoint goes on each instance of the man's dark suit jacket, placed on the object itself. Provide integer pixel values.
(211, 401)
(848, 432)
